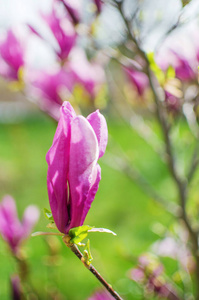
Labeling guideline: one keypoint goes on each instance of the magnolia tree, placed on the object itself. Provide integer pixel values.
(148, 72)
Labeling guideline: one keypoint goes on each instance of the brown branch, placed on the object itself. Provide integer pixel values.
(90, 267)
(181, 183)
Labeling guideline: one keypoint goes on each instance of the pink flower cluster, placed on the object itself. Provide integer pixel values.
(72, 68)
(181, 52)
(149, 273)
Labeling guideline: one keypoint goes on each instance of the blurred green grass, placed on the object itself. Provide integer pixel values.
(120, 205)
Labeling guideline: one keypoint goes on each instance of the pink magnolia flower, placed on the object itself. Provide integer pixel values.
(89, 74)
(101, 295)
(48, 89)
(49, 85)
(12, 230)
(184, 65)
(63, 32)
(73, 172)
(11, 56)
(183, 68)
(138, 79)
(150, 274)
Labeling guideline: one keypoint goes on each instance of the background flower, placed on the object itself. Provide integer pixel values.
(12, 230)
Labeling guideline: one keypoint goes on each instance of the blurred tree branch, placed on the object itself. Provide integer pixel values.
(182, 183)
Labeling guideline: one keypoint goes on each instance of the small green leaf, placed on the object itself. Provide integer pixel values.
(87, 254)
(155, 68)
(170, 72)
(101, 230)
(78, 234)
(48, 215)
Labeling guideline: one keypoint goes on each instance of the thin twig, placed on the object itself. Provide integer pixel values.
(90, 267)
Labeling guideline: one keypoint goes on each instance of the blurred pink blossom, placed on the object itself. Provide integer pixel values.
(11, 56)
(49, 89)
(138, 79)
(89, 74)
(62, 29)
(150, 274)
(172, 102)
(183, 68)
(175, 249)
(49, 85)
(180, 52)
(101, 295)
(12, 230)
(63, 32)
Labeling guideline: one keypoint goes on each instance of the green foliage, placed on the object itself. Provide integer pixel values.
(156, 69)
(170, 72)
(48, 215)
(87, 253)
(78, 234)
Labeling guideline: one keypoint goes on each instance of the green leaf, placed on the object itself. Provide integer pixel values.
(78, 234)
(101, 230)
(156, 69)
(170, 72)
(48, 215)
(87, 254)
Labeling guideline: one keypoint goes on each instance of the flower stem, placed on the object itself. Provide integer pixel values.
(90, 267)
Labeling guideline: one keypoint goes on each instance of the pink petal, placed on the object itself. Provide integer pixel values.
(58, 167)
(99, 125)
(12, 52)
(63, 32)
(90, 75)
(96, 177)
(139, 80)
(30, 218)
(84, 153)
(48, 85)
(10, 227)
